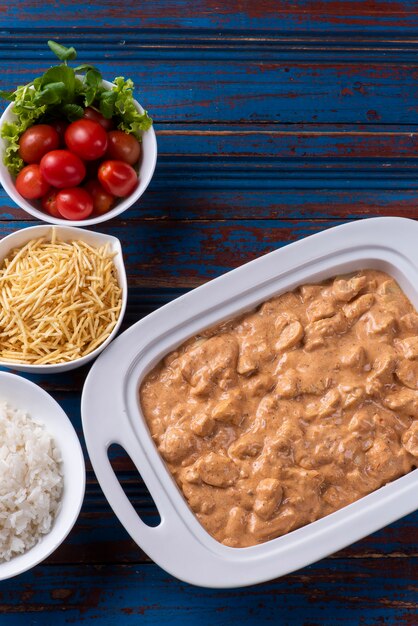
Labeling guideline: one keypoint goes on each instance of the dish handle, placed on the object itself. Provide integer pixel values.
(165, 542)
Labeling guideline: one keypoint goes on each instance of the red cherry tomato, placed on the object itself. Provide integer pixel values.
(49, 203)
(74, 203)
(87, 139)
(96, 116)
(37, 141)
(60, 126)
(102, 200)
(30, 182)
(123, 147)
(62, 168)
(118, 178)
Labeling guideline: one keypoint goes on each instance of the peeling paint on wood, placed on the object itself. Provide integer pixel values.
(300, 15)
(340, 591)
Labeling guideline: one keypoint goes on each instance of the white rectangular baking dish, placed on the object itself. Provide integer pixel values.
(111, 412)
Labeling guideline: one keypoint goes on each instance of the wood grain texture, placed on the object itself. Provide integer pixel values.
(274, 120)
(186, 253)
(274, 92)
(234, 202)
(361, 592)
(376, 16)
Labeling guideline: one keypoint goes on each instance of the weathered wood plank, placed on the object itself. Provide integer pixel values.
(186, 253)
(135, 44)
(264, 142)
(175, 200)
(227, 195)
(301, 15)
(253, 91)
(331, 592)
(224, 187)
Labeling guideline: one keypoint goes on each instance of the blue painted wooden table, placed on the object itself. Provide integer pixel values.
(275, 119)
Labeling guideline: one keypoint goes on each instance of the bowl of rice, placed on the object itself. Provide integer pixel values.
(42, 475)
(63, 295)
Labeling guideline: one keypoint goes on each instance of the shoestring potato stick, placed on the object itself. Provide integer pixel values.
(58, 301)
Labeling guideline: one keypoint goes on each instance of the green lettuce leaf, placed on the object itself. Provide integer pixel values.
(130, 120)
(27, 112)
(60, 93)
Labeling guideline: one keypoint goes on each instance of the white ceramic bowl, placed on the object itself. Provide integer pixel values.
(145, 172)
(22, 394)
(68, 233)
(179, 543)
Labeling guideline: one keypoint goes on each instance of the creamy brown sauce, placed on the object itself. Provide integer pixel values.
(293, 410)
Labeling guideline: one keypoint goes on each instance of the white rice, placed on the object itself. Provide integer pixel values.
(31, 482)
